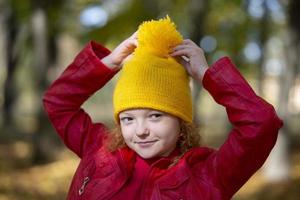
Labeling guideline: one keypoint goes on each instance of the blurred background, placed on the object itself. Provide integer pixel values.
(39, 38)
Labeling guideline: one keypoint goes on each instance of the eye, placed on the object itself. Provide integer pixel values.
(126, 119)
(155, 116)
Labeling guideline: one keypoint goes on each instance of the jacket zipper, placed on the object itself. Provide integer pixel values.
(85, 181)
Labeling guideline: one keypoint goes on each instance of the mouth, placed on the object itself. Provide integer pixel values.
(145, 144)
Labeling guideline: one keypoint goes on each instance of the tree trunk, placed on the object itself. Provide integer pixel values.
(11, 58)
(41, 63)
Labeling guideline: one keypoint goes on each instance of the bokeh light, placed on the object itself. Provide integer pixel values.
(93, 16)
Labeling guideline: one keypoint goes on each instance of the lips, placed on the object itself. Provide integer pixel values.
(145, 144)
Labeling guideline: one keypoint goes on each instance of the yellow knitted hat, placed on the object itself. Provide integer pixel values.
(152, 78)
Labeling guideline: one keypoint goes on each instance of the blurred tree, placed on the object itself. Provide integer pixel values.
(45, 29)
(12, 32)
(264, 33)
(294, 36)
(40, 38)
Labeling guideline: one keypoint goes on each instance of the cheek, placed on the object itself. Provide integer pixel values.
(126, 132)
(170, 131)
(173, 136)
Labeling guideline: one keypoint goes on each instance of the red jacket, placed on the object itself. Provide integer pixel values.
(202, 173)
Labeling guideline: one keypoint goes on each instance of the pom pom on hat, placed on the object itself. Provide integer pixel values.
(157, 37)
(152, 78)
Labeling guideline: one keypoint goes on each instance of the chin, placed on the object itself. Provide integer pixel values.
(146, 155)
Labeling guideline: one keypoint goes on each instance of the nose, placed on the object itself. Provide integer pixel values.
(142, 129)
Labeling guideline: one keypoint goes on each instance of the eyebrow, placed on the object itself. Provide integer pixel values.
(125, 113)
(149, 111)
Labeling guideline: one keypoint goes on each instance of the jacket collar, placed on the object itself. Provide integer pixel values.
(129, 158)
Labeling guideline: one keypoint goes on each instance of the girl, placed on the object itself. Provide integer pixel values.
(154, 152)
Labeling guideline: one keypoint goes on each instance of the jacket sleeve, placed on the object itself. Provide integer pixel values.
(255, 127)
(62, 101)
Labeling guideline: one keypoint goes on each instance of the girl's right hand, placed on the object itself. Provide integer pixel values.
(121, 53)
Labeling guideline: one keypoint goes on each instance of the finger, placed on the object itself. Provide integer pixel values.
(134, 35)
(187, 42)
(182, 52)
(190, 43)
(179, 47)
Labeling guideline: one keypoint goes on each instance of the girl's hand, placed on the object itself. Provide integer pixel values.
(192, 58)
(121, 53)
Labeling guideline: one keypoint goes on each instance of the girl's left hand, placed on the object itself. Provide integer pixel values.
(192, 58)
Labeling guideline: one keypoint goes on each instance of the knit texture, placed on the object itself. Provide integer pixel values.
(152, 78)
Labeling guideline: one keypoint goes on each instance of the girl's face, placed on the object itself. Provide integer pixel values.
(149, 132)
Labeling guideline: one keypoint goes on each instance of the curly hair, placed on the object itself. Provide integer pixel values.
(189, 138)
